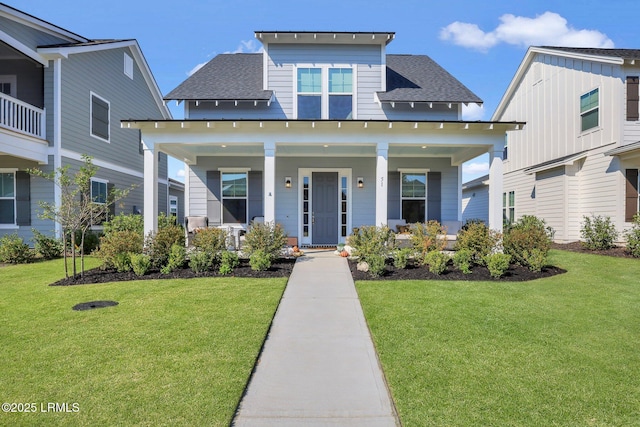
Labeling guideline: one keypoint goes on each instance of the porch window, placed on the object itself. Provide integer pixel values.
(234, 197)
(414, 196)
(340, 93)
(309, 93)
(508, 207)
(99, 117)
(7, 198)
(589, 110)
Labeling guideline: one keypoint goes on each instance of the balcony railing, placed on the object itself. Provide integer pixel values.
(21, 117)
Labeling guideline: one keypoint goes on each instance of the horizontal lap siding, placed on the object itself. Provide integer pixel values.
(601, 189)
(550, 199)
(524, 187)
(475, 204)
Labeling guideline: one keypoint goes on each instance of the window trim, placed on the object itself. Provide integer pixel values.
(425, 172)
(324, 89)
(583, 113)
(13, 225)
(245, 171)
(91, 95)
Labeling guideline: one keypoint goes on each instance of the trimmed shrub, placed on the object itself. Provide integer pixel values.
(212, 240)
(228, 262)
(140, 263)
(498, 264)
(462, 260)
(376, 264)
(269, 238)
(479, 240)
(201, 261)
(370, 241)
(14, 250)
(428, 237)
(633, 237)
(123, 222)
(437, 261)
(118, 242)
(528, 241)
(401, 257)
(177, 259)
(260, 260)
(598, 232)
(45, 246)
(159, 245)
(122, 262)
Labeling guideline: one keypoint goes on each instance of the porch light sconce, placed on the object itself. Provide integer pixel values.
(287, 182)
(360, 182)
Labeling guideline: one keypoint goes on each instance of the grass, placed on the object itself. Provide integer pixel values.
(561, 351)
(173, 352)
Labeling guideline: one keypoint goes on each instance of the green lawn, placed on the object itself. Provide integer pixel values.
(561, 351)
(173, 352)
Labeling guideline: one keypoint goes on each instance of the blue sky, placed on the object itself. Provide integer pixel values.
(480, 43)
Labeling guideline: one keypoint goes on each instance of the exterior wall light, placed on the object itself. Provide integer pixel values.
(287, 182)
(360, 182)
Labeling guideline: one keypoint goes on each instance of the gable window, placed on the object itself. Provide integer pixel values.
(234, 197)
(414, 196)
(589, 110)
(309, 93)
(99, 117)
(508, 207)
(324, 93)
(128, 66)
(7, 198)
(340, 93)
(632, 98)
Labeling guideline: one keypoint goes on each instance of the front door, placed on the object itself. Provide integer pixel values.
(324, 201)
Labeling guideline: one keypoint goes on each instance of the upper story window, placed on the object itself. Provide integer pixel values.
(325, 93)
(99, 117)
(589, 110)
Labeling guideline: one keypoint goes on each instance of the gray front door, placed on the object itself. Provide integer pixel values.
(325, 208)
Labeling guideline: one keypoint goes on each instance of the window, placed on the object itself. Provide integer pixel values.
(99, 191)
(173, 206)
(7, 198)
(234, 197)
(128, 66)
(99, 117)
(8, 85)
(632, 98)
(325, 93)
(414, 196)
(589, 107)
(508, 207)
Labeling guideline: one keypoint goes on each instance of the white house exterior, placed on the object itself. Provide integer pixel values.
(322, 132)
(61, 96)
(475, 200)
(580, 152)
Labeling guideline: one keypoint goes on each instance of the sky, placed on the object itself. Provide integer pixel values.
(479, 43)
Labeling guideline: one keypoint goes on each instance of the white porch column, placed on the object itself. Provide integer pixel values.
(150, 188)
(382, 173)
(495, 186)
(269, 181)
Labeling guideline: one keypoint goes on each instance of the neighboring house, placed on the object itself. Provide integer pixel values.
(580, 152)
(61, 96)
(475, 200)
(323, 132)
(176, 200)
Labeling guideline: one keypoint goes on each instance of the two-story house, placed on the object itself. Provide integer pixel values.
(322, 132)
(61, 96)
(580, 152)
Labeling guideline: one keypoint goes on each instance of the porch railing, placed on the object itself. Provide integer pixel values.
(21, 117)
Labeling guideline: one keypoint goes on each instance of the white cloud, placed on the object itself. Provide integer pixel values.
(475, 168)
(248, 46)
(180, 173)
(196, 68)
(472, 112)
(548, 29)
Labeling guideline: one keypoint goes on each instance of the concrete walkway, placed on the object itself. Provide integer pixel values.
(318, 366)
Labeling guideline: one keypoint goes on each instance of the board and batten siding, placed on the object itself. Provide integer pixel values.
(27, 35)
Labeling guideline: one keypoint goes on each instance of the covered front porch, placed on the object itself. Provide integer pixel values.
(319, 179)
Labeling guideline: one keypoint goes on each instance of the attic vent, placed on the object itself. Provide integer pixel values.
(128, 66)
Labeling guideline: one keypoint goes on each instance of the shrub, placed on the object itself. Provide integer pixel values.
(212, 240)
(437, 261)
(159, 245)
(91, 241)
(528, 241)
(140, 263)
(268, 238)
(401, 257)
(427, 237)
(177, 258)
(45, 246)
(462, 260)
(14, 250)
(633, 237)
(479, 239)
(122, 262)
(123, 222)
(598, 233)
(118, 242)
(260, 260)
(376, 264)
(228, 262)
(201, 261)
(165, 221)
(371, 241)
(498, 264)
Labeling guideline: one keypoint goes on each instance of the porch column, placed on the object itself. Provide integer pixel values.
(495, 186)
(150, 188)
(269, 181)
(382, 172)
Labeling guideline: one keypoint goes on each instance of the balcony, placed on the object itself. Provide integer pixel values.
(21, 117)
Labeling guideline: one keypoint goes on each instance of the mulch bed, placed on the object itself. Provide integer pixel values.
(280, 268)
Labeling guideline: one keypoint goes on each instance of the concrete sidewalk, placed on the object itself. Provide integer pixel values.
(318, 366)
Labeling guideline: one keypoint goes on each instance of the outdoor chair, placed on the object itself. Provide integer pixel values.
(192, 224)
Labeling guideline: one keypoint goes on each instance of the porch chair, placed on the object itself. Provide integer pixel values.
(191, 226)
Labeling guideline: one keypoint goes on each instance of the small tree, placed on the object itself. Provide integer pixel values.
(76, 210)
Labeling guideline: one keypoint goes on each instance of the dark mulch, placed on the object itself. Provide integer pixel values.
(618, 251)
(280, 268)
(515, 273)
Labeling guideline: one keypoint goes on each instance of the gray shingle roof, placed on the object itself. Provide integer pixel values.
(615, 53)
(410, 78)
(419, 78)
(226, 77)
